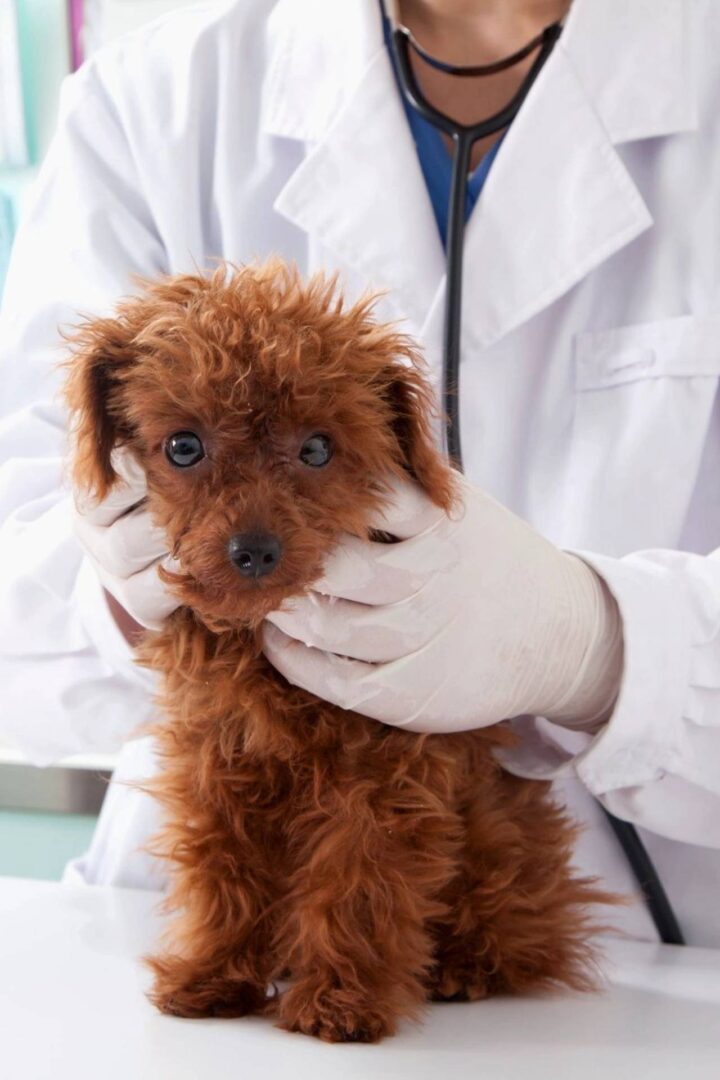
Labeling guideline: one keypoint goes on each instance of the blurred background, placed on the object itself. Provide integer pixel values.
(47, 815)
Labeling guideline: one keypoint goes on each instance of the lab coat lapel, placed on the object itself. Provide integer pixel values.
(559, 200)
(359, 189)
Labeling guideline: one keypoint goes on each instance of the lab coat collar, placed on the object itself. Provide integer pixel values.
(359, 190)
(557, 203)
(632, 57)
(319, 50)
(558, 200)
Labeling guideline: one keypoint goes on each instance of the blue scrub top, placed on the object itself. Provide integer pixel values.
(436, 162)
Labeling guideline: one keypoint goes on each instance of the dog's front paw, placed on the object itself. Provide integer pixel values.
(177, 992)
(332, 1015)
(213, 997)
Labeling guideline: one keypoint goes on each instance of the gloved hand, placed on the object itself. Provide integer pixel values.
(124, 546)
(469, 619)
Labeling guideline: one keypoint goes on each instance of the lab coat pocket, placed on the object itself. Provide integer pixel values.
(643, 400)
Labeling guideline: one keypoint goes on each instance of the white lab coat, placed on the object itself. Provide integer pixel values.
(591, 358)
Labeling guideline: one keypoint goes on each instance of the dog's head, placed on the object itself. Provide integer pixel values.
(267, 418)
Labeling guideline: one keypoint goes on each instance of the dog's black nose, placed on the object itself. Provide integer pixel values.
(254, 554)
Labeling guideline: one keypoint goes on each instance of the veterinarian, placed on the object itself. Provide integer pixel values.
(579, 593)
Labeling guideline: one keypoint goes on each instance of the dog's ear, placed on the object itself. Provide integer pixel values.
(102, 353)
(413, 406)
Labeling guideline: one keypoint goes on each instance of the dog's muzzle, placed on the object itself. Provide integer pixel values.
(254, 554)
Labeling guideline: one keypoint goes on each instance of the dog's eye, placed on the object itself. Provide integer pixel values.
(184, 449)
(316, 451)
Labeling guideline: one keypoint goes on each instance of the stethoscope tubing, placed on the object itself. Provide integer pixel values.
(464, 138)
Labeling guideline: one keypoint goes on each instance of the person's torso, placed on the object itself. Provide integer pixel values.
(591, 305)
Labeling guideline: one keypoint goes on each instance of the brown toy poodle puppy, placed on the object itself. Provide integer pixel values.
(372, 867)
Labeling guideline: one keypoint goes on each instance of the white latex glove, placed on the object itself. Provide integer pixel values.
(124, 546)
(469, 620)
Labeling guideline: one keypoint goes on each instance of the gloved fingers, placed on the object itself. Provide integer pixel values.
(129, 489)
(127, 546)
(386, 692)
(407, 511)
(407, 693)
(377, 573)
(387, 573)
(359, 631)
(332, 678)
(143, 595)
(370, 572)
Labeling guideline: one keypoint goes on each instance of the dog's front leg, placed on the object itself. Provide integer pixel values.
(223, 886)
(362, 895)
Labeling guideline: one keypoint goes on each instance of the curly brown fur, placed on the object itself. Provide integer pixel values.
(374, 867)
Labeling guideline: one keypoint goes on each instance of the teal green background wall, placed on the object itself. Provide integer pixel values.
(34, 844)
(45, 60)
(44, 63)
(37, 844)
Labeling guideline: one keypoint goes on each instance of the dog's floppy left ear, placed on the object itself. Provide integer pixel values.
(101, 353)
(413, 406)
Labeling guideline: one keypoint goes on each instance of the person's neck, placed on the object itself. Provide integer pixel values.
(475, 31)
(470, 11)
(469, 32)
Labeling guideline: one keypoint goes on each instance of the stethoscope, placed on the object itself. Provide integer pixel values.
(464, 137)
